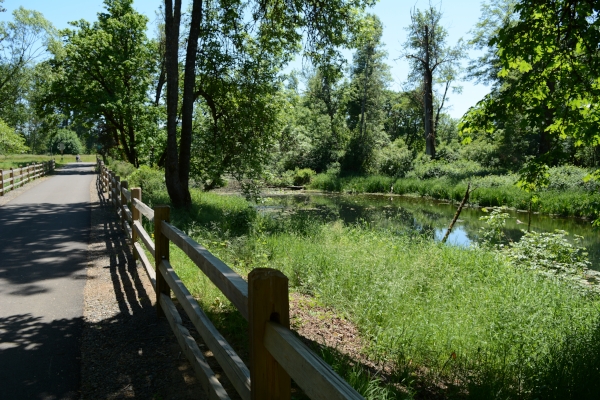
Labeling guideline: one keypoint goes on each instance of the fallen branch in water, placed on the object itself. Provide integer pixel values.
(460, 207)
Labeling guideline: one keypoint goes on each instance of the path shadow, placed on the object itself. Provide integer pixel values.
(34, 243)
(130, 353)
(39, 360)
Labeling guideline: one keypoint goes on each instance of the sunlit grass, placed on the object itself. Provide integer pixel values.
(465, 319)
(22, 160)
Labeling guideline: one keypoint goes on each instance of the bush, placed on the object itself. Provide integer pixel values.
(121, 168)
(568, 177)
(152, 181)
(395, 160)
(303, 176)
(69, 139)
(425, 168)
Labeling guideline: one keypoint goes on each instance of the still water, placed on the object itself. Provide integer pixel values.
(427, 216)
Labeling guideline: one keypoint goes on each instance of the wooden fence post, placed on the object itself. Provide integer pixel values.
(136, 193)
(124, 185)
(11, 178)
(161, 249)
(1, 182)
(268, 300)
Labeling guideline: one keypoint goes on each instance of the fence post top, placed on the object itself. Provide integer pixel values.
(265, 273)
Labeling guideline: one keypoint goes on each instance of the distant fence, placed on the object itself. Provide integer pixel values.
(276, 354)
(14, 178)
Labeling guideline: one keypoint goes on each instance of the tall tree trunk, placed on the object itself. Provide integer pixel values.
(177, 169)
(428, 100)
(172, 21)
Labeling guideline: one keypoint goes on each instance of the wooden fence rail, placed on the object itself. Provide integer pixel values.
(276, 353)
(14, 178)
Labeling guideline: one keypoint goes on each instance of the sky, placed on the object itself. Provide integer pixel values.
(459, 16)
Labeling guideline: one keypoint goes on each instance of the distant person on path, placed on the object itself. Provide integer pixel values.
(77, 158)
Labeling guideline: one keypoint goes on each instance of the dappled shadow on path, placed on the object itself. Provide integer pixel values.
(39, 360)
(127, 350)
(40, 242)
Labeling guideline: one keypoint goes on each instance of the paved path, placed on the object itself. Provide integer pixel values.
(44, 234)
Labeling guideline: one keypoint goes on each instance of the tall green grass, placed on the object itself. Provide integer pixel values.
(464, 316)
(466, 322)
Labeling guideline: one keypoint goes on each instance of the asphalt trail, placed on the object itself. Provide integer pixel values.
(44, 234)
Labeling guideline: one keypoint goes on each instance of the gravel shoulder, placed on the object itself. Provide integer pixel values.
(127, 352)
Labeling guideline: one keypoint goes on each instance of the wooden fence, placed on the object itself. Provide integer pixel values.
(14, 178)
(276, 354)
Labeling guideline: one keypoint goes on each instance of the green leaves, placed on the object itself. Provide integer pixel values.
(103, 77)
(10, 141)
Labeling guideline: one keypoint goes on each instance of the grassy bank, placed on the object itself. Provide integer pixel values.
(491, 191)
(450, 322)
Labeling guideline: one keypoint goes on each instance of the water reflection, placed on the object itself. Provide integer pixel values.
(425, 216)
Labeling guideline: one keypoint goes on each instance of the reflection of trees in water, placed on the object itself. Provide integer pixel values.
(423, 216)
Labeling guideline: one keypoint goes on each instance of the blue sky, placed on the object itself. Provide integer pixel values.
(459, 16)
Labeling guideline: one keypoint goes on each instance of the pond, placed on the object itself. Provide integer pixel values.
(426, 216)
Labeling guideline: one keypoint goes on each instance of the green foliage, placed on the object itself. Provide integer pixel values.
(464, 317)
(69, 139)
(551, 254)
(102, 76)
(570, 177)
(426, 168)
(122, 169)
(23, 41)
(533, 176)
(396, 159)
(10, 141)
(488, 191)
(150, 180)
(303, 176)
(493, 235)
(432, 63)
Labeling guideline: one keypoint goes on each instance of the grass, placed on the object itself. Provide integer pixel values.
(491, 191)
(454, 322)
(21, 160)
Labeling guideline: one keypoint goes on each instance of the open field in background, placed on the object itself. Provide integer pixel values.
(445, 321)
(21, 160)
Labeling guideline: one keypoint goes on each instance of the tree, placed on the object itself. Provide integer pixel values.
(365, 117)
(23, 41)
(69, 139)
(431, 61)
(274, 35)
(404, 117)
(548, 64)
(103, 77)
(10, 141)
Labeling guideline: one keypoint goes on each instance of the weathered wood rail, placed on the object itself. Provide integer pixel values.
(276, 353)
(14, 178)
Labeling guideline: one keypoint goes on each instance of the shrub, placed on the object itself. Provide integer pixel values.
(303, 176)
(69, 139)
(395, 160)
(568, 177)
(152, 181)
(121, 168)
